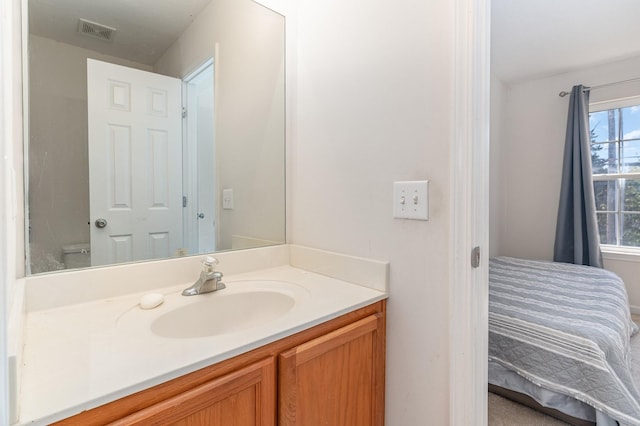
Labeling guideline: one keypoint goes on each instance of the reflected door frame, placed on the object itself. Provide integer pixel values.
(199, 160)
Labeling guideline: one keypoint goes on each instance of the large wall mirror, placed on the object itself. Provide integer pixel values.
(155, 129)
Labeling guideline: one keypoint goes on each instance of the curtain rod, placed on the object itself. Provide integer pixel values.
(586, 89)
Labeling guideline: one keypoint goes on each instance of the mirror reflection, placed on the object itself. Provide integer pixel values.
(155, 128)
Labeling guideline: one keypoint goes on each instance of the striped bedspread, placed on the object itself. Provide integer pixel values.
(565, 328)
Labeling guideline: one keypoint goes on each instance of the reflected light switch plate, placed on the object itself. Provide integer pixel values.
(227, 199)
(411, 200)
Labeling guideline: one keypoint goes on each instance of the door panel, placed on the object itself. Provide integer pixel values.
(120, 248)
(135, 163)
(336, 379)
(119, 166)
(245, 397)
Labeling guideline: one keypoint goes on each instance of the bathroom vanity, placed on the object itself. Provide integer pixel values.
(333, 372)
(297, 338)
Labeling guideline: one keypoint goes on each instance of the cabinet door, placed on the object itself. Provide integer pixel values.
(245, 397)
(336, 379)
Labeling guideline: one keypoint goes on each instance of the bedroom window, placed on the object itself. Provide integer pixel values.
(615, 157)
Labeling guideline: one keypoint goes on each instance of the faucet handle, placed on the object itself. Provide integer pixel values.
(209, 263)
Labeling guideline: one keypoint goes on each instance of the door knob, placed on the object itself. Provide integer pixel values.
(101, 223)
(200, 215)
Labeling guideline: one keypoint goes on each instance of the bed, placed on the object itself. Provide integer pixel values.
(559, 335)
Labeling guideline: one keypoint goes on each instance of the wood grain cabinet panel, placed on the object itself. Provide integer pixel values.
(245, 397)
(336, 379)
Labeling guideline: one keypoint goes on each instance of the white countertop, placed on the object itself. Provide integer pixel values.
(82, 356)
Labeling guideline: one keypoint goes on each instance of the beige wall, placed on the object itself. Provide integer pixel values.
(529, 161)
(249, 111)
(15, 154)
(11, 205)
(374, 105)
(58, 151)
(498, 93)
(628, 268)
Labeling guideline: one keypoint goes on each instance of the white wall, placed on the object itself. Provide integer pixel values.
(12, 130)
(249, 110)
(498, 93)
(11, 202)
(532, 132)
(374, 105)
(626, 267)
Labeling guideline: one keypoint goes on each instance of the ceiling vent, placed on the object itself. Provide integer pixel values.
(95, 30)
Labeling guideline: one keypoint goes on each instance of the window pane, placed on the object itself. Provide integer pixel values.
(604, 158)
(630, 156)
(604, 125)
(631, 229)
(607, 228)
(631, 122)
(631, 199)
(605, 192)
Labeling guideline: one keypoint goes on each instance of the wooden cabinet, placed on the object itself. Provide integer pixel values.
(245, 397)
(331, 374)
(336, 379)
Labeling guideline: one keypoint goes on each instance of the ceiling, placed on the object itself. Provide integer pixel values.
(539, 38)
(530, 39)
(145, 28)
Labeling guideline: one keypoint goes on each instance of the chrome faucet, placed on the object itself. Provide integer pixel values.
(209, 279)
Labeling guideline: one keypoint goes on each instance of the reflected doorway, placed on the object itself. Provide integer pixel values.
(199, 180)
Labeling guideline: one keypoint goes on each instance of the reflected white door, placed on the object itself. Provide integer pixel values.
(135, 163)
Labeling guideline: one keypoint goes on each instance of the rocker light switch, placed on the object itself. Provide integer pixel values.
(227, 199)
(411, 200)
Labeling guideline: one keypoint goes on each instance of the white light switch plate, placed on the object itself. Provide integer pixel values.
(227, 199)
(411, 200)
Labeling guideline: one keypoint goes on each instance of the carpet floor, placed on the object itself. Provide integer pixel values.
(504, 412)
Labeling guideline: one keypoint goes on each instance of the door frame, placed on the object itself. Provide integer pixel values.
(468, 313)
(190, 163)
(7, 241)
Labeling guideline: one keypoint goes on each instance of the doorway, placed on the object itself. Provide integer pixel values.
(199, 165)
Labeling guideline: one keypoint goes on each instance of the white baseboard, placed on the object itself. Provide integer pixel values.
(634, 309)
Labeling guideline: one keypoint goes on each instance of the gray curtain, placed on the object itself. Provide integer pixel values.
(577, 239)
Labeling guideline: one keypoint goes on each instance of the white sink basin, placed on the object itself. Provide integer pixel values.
(242, 305)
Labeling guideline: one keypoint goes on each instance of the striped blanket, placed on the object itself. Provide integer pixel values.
(565, 328)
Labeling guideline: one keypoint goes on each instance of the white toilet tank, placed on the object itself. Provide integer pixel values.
(76, 255)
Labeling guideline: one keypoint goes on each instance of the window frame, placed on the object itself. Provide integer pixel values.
(619, 177)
